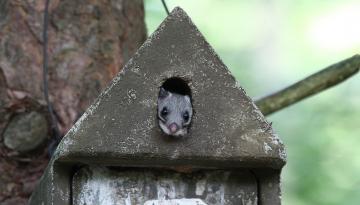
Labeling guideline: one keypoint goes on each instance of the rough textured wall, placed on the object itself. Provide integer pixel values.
(105, 186)
(89, 42)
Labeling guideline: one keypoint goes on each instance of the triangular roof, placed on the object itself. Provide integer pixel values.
(120, 127)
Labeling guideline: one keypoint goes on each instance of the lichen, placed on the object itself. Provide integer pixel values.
(267, 148)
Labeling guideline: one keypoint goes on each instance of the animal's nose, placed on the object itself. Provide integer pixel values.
(173, 127)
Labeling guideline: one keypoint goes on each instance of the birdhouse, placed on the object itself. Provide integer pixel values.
(116, 153)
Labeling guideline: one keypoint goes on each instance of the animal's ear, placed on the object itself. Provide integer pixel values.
(163, 93)
(187, 98)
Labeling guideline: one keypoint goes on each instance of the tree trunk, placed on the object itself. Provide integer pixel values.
(89, 42)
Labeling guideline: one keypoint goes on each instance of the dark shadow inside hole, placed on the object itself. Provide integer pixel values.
(177, 85)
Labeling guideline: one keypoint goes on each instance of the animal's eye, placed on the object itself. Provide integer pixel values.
(186, 116)
(164, 112)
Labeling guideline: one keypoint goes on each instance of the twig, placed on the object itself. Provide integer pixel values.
(54, 124)
(311, 85)
(165, 7)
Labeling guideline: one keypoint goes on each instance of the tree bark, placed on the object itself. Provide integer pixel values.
(89, 42)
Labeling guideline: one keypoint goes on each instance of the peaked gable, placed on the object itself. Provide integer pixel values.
(121, 128)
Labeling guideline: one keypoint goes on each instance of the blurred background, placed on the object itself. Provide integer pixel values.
(269, 45)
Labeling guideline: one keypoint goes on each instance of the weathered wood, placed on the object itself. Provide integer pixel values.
(101, 185)
(311, 85)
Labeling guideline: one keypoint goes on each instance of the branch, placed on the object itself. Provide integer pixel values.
(311, 85)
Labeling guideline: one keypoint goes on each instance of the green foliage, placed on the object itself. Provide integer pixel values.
(268, 45)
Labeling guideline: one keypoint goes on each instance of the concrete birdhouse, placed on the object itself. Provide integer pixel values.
(116, 153)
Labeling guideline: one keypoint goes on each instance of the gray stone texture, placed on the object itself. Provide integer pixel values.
(121, 126)
(26, 132)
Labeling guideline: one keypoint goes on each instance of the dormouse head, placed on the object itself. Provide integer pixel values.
(174, 113)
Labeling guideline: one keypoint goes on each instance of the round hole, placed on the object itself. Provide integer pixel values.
(177, 85)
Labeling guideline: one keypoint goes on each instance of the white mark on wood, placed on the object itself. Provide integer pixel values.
(132, 94)
(166, 189)
(128, 200)
(282, 154)
(176, 202)
(135, 69)
(148, 103)
(200, 187)
(267, 148)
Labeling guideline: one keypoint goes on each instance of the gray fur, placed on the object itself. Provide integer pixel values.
(176, 105)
